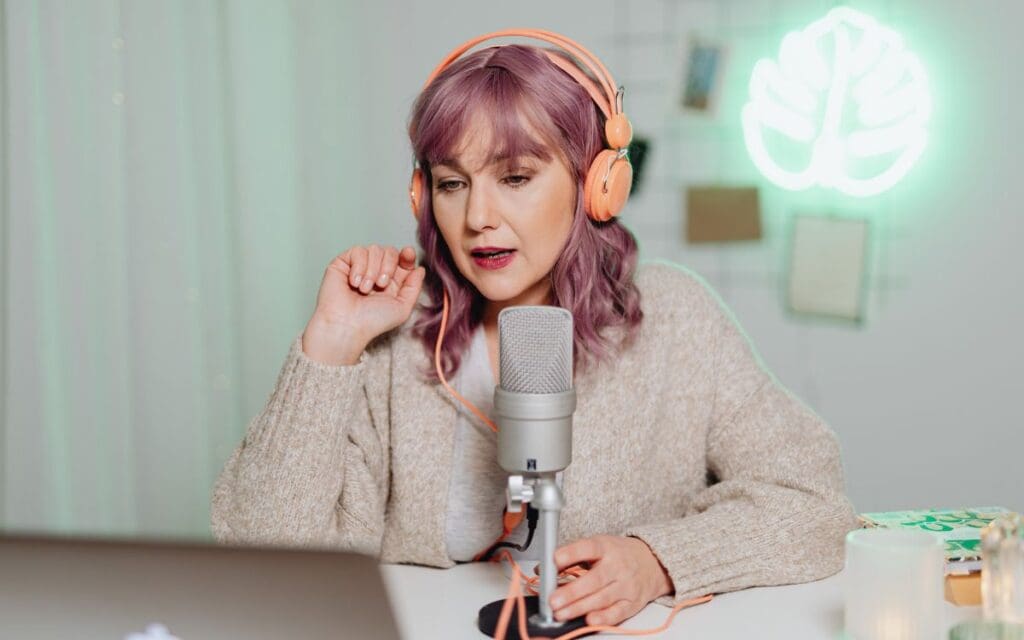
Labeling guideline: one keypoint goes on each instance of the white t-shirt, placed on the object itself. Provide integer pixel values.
(476, 496)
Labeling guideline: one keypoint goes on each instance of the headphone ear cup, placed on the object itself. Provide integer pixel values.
(416, 192)
(601, 204)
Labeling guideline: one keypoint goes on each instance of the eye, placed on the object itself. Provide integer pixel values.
(517, 181)
(447, 186)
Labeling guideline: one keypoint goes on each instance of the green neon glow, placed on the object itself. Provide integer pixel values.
(844, 107)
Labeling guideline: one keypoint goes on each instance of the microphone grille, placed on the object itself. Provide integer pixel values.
(535, 349)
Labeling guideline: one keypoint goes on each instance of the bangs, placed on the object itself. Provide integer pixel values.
(498, 106)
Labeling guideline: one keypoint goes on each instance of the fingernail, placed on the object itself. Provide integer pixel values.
(382, 280)
(356, 280)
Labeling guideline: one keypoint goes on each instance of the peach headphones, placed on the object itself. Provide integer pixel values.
(610, 176)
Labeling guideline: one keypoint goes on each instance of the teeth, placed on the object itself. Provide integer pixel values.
(494, 254)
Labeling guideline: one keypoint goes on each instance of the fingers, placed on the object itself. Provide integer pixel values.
(580, 551)
(357, 257)
(407, 258)
(410, 289)
(614, 614)
(406, 265)
(374, 255)
(609, 592)
(593, 591)
(375, 267)
(388, 264)
(605, 597)
(340, 263)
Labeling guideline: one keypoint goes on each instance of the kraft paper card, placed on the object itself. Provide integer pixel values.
(722, 214)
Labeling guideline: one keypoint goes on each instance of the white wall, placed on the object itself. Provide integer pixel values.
(925, 394)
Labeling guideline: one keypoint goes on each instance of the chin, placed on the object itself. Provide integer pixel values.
(500, 293)
(500, 287)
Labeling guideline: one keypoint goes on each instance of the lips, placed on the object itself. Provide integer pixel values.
(489, 252)
(492, 257)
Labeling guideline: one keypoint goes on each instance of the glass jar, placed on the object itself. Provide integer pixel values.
(1002, 569)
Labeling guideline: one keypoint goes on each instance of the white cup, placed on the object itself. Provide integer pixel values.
(893, 583)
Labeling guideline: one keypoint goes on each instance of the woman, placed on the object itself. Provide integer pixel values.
(693, 470)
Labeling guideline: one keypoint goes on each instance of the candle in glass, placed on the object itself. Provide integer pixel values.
(894, 580)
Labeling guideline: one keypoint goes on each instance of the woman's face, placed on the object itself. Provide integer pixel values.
(505, 220)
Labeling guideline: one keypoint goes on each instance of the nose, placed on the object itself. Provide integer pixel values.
(481, 209)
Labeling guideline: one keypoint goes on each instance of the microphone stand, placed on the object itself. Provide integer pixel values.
(547, 498)
(542, 491)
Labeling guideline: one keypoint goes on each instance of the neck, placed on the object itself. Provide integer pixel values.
(494, 307)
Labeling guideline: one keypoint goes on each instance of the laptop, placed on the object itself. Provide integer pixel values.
(64, 588)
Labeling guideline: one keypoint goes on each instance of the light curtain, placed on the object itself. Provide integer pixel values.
(177, 176)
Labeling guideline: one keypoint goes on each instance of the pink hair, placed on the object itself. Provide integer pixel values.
(593, 276)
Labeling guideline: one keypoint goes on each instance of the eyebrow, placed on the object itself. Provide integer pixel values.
(497, 158)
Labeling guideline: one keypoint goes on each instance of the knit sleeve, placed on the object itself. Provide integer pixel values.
(777, 512)
(312, 469)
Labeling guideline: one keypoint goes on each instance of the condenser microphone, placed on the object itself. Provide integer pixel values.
(533, 406)
(534, 400)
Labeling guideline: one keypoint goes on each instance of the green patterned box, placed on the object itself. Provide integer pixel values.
(960, 529)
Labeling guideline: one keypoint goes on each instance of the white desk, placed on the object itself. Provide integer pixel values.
(443, 603)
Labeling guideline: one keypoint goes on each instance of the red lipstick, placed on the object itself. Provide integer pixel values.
(492, 257)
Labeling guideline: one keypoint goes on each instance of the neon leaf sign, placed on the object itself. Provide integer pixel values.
(844, 107)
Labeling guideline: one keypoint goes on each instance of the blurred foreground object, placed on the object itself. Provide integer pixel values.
(893, 584)
(1002, 569)
(986, 630)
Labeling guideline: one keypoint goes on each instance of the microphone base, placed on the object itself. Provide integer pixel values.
(487, 621)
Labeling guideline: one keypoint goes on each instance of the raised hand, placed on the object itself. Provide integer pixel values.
(366, 291)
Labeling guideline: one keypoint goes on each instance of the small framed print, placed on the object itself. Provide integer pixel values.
(702, 75)
(828, 267)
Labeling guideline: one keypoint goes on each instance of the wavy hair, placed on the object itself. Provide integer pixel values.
(512, 85)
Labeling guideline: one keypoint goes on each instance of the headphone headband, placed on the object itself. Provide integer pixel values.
(609, 103)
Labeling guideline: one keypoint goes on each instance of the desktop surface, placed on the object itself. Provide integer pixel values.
(451, 598)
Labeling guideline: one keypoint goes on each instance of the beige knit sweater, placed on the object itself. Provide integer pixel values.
(683, 441)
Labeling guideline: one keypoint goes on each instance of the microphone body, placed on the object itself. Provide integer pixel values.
(534, 400)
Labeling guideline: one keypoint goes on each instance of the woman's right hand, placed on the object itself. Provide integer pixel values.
(366, 291)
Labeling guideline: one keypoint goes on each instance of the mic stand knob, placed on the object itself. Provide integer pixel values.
(517, 493)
